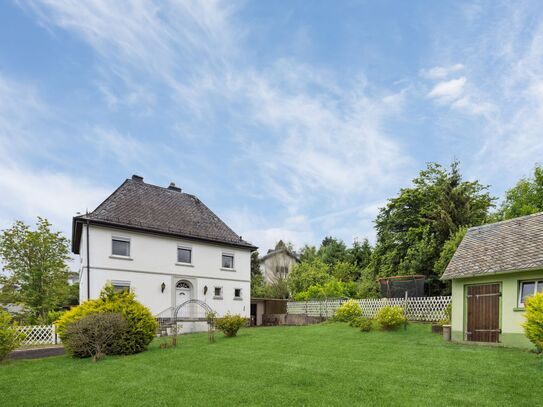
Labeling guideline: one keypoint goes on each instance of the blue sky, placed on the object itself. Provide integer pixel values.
(289, 119)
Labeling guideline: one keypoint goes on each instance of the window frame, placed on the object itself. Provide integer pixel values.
(121, 285)
(240, 296)
(215, 296)
(121, 239)
(537, 284)
(228, 254)
(189, 249)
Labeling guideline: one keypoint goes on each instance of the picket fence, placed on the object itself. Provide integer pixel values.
(38, 334)
(422, 309)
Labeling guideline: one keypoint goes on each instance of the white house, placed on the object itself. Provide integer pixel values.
(167, 247)
(278, 262)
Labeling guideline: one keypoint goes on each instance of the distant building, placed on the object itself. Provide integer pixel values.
(278, 262)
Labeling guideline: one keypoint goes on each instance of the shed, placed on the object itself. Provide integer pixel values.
(495, 268)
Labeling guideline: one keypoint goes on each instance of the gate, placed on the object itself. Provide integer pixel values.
(483, 303)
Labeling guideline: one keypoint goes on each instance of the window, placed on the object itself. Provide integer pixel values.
(237, 293)
(218, 293)
(120, 286)
(184, 255)
(182, 284)
(281, 271)
(527, 289)
(228, 261)
(120, 246)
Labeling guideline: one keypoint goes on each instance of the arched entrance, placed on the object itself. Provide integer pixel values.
(183, 292)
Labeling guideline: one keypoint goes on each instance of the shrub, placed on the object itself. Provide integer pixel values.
(347, 311)
(96, 335)
(533, 327)
(230, 324)
(9, 338)
(141, 323)
(391, 317)
(365, 324)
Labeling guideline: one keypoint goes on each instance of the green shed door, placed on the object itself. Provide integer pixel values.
(483, 313)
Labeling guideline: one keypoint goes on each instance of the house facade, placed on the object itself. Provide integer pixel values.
(495, 268)
(277, 263)
(168, 248)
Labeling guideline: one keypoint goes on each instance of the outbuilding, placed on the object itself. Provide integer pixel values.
(495, 268)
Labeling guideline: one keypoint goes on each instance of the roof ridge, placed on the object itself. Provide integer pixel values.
(486, 225)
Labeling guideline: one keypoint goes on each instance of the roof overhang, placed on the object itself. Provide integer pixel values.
(79, 221)
(491, 273)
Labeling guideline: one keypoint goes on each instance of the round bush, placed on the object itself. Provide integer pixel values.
(365, 324)
(142, 325)
(9, 338)
(96, 335)
(230, 324)
(348, 311)
(391, 317)
(533, 327)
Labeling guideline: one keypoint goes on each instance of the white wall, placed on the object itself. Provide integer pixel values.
(153, 260)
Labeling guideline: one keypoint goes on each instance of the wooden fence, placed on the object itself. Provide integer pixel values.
(38, 334)
(424, 309)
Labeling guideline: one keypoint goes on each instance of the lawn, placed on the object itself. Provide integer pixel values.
(328, 364)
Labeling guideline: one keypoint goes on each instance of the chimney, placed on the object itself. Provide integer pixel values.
(173, 187)
(137, 178)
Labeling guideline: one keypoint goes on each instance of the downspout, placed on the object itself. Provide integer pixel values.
(88, 260)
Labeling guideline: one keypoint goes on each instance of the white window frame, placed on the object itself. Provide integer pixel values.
(229, 254)
(536, 283)
(240, 294)
(121, 284)
(177, 255)
(217, 297)
(121, 239)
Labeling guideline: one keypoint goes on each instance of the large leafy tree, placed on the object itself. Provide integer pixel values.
(305, 274)
(332, 251)
(36, 264)
(413, 227)
(525, 198)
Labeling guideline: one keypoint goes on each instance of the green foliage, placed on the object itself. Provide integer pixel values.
(533, 327)
(345, 272)
(306, 274)
(525, 198)
(277, 289)
(97, 335)
(230, 324)
(348, 311)
(36, 263)
(331, 289)
(332, 251)
(414, 226)
(255, 264)
(365, 324)
(391, 317)
(448, 250)
(142, 325)
(360, 254)
(53, 316)
(9, 338)
(308, 253)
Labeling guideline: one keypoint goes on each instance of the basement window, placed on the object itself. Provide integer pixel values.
(528, 289)
(120, 246)
(121, 286)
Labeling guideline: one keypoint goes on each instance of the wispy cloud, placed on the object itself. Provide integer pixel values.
(440, 72)
(448, 91)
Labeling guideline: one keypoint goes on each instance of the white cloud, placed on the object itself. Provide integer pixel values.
(440, 72)
(448, 91)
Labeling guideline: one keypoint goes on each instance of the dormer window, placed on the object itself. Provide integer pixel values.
(120, 246)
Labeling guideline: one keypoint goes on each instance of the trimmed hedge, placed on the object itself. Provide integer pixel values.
(348, 311)
(391, 317)
(142, 325)
(230, 324)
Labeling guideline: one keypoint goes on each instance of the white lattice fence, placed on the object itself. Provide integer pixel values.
(38, 334)
(427, 309)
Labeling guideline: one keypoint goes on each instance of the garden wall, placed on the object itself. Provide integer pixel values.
(423, 309)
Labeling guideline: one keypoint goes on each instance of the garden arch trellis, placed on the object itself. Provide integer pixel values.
(201, 307)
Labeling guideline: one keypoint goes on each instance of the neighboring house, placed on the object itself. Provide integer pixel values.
(166, 246)
(277, 263)
(73, 278)
(495, 268)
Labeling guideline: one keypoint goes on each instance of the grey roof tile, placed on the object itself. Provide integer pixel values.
(508, 246)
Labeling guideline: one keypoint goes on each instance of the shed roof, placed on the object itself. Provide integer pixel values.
(508, 246)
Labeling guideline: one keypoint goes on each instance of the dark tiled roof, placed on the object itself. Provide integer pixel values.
(512, 245)
(142, 206)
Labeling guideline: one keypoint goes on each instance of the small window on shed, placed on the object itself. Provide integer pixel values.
(528, 289)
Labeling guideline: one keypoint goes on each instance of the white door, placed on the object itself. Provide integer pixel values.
(183, 293)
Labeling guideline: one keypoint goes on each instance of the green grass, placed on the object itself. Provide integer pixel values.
(328, 364)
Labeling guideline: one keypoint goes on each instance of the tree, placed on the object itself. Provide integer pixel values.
(345, 272)
(360, 254)
(304, 275)
(308, 253)
(413, 227)
(36, 261)
(525, 198)
(332, 250)
(255, 264)
(448, 250)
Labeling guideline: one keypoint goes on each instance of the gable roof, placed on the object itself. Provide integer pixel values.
(273, 252)
(137, 205)
(512, 245)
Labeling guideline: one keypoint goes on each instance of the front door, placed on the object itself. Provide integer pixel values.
(182, 292)
(483, 313)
